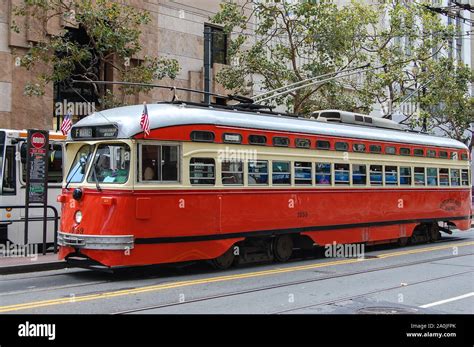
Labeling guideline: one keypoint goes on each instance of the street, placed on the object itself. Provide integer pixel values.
(428, 278)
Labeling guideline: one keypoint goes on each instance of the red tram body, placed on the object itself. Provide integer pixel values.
(300, 188)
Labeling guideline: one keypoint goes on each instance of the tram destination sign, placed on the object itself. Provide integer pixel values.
(94, 132)
(37, 166)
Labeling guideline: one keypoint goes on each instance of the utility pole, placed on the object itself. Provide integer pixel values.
(207, 64)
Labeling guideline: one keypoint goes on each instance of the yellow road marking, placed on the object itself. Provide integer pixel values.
(106, 295)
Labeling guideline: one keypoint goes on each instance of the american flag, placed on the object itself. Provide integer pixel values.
(145, 121)
(66, 125)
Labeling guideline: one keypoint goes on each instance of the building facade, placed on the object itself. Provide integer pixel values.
(176, 30)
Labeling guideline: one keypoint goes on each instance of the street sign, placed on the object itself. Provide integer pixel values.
(37, 175)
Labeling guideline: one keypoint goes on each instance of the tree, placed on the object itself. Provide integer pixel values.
(290, 42)
(113, 39)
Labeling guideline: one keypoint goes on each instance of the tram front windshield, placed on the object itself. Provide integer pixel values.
(110, 164)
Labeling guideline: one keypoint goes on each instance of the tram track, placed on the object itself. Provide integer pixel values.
(299, 282)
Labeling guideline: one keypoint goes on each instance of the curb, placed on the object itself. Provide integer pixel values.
(16, 269)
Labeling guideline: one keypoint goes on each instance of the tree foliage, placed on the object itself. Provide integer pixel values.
(113, 39)
(274, 44)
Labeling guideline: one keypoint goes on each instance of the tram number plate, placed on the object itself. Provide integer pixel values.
(302, 214)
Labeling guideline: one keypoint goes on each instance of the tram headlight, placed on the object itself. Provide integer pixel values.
(78, 216)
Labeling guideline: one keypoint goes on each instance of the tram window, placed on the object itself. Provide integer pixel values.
(454, 155)
(9, 174)
(232, 138)
(405, 151)
(341, 174)
(432, 176)
(258, 172)
(323, 173)
(443, 177)
(257, 140)
(390, 150)
(232, 172)
(303, 173)
(159, 163)
(359, 174)
(202, 136)
(418, 152)
(111, 164)
(359, 118)
(431, 153)
(358, 147)
(391, 175)
(376, 175)
(405, 176)
(201, 171)
(443, 154)
(465, 177)
(420, 176)
(79, 165)
(455, 177)
(281, 141)
(281, 172)
(375, 149)
(320, 144)
(464, 156)
(341, 146)
(302, 143)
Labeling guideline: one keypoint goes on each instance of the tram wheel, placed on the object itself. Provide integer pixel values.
(224, 261)
(282, 248)
(435, 235)
(403, 241)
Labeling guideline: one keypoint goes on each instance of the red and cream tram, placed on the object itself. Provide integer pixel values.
(207, 179)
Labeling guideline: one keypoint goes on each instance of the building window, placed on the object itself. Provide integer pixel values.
(218, 45)
(232, 173)
(202, 171)
(405, 176)
(341, 174)
(258, 172)
(281, 172)
(323, 173)
(303, 173)
(359, 174)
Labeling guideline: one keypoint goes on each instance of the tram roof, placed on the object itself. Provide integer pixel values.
(166, 114)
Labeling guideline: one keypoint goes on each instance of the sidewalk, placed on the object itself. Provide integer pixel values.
(13, 265)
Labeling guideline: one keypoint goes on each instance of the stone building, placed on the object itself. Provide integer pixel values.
(176, 31)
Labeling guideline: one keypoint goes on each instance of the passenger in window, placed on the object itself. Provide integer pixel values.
(149, 173)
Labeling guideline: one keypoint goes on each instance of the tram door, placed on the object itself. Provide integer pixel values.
(13, 184)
